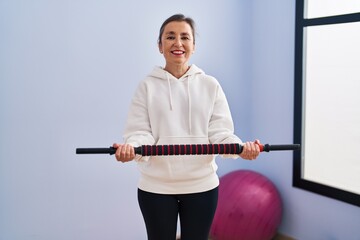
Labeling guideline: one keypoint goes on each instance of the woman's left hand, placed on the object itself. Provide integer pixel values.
(124, 152)
(251, 150)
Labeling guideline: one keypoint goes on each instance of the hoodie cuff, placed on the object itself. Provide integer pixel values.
(233, 156)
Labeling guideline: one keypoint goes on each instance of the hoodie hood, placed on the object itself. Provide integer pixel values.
(160, 73)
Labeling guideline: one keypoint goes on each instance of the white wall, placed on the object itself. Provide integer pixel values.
(68, 70)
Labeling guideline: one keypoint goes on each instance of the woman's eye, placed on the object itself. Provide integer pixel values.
(185, 38)
(170, 38)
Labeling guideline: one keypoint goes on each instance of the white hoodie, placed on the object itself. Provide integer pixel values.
(190, 110)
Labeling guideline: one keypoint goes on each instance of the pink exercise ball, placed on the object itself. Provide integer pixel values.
(249, 207)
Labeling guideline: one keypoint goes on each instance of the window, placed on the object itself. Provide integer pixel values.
(327, 98)
(325, 8)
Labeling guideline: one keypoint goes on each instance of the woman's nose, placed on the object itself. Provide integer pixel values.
(178, 42)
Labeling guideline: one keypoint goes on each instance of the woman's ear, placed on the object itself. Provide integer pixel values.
(160, 48)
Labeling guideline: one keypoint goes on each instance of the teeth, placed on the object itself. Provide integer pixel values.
(177, 52)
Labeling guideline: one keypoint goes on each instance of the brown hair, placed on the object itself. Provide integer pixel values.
(177, 18)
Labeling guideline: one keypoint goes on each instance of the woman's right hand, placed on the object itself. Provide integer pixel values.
(124, 152)
(251, 150)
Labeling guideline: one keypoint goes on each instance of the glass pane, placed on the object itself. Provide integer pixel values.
(325, 8)
(332, 112)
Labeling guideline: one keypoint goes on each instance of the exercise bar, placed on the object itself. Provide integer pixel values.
(189, 149)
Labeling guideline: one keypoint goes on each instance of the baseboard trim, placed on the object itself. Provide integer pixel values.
(280, 236)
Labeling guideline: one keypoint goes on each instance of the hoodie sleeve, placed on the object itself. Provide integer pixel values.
(221, 126)
(138, 129)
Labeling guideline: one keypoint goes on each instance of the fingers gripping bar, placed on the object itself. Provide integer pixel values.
(189, 149)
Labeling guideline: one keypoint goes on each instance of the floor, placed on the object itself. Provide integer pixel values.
(278, 236)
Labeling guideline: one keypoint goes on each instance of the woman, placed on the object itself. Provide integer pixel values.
(178, 104)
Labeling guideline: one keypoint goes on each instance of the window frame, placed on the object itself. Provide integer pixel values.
(298, 181)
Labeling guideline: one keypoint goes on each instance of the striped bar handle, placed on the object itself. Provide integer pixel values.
(189, 149)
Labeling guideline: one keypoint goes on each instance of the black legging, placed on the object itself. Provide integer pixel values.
(196, 212)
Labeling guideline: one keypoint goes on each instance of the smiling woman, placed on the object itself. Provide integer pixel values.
(179, 104)
(177, 44)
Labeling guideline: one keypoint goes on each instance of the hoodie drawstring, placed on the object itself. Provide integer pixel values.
(169, 86)
(189, 96)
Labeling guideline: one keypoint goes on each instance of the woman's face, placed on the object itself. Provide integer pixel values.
(177, 43)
